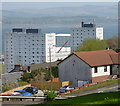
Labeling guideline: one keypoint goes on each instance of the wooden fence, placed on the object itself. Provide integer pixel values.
(47, 85)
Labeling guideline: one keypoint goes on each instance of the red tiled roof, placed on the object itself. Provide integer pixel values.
(97, 58)
(115, 58)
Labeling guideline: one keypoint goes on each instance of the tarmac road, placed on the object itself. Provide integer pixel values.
(111, 88)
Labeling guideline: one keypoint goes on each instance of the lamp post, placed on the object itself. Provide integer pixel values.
(50, 67)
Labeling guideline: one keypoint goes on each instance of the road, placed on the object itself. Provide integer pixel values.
(111, 88)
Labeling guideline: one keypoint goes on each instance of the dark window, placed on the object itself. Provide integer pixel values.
(31, 30)
(17, 30)
(105, 68)
(95, 70)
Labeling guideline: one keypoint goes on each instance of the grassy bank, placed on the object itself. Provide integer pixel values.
(99, 85)
(97, 98)
(2, 68)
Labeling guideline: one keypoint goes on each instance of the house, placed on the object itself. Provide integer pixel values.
(91, 66)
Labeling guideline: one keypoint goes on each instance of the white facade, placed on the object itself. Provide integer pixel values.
(79, 33)
(50, 45)
(24, 46)
(54, 42)
(100, 71)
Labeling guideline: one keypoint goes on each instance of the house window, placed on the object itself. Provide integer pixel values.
(105, 68)
(95, 70)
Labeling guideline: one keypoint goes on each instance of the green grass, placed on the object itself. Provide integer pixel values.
(99, 85)
(2, 68)
(96, 98)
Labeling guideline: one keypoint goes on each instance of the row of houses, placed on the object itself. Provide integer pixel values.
(88, 67)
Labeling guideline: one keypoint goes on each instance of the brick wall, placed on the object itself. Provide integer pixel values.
(99, 79)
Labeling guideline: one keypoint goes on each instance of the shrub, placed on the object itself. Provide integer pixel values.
(51, 95)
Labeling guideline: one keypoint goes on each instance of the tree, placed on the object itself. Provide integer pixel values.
(113, 42)
(92, 44)
(54, 73)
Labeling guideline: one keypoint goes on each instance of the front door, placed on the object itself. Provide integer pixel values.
(110, 69)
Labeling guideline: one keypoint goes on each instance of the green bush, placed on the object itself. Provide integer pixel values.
(51, 95)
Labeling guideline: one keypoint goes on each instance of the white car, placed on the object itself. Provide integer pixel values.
(66, 88)
(15, 93)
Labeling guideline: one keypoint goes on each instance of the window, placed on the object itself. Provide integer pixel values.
(95, 70)
(105, 68)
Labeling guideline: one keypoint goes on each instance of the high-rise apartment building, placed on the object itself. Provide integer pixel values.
(24, 46)
(79, 33)
(27, 46)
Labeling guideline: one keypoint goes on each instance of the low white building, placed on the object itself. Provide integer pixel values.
(58, 44)
(83, 67)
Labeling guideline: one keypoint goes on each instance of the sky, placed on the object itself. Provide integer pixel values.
(43, 5)
(59, 0)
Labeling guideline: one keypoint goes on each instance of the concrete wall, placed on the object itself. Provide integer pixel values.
(11, 77)
(74, 69)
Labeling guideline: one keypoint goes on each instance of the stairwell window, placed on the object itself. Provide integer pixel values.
(95, 70)
(105, 68)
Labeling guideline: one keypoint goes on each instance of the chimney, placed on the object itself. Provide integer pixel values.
(82, 24)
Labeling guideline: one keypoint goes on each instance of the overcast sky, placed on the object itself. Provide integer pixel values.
(60, 0)
(43, 5)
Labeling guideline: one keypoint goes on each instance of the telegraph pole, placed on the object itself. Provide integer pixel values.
(50, 67)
